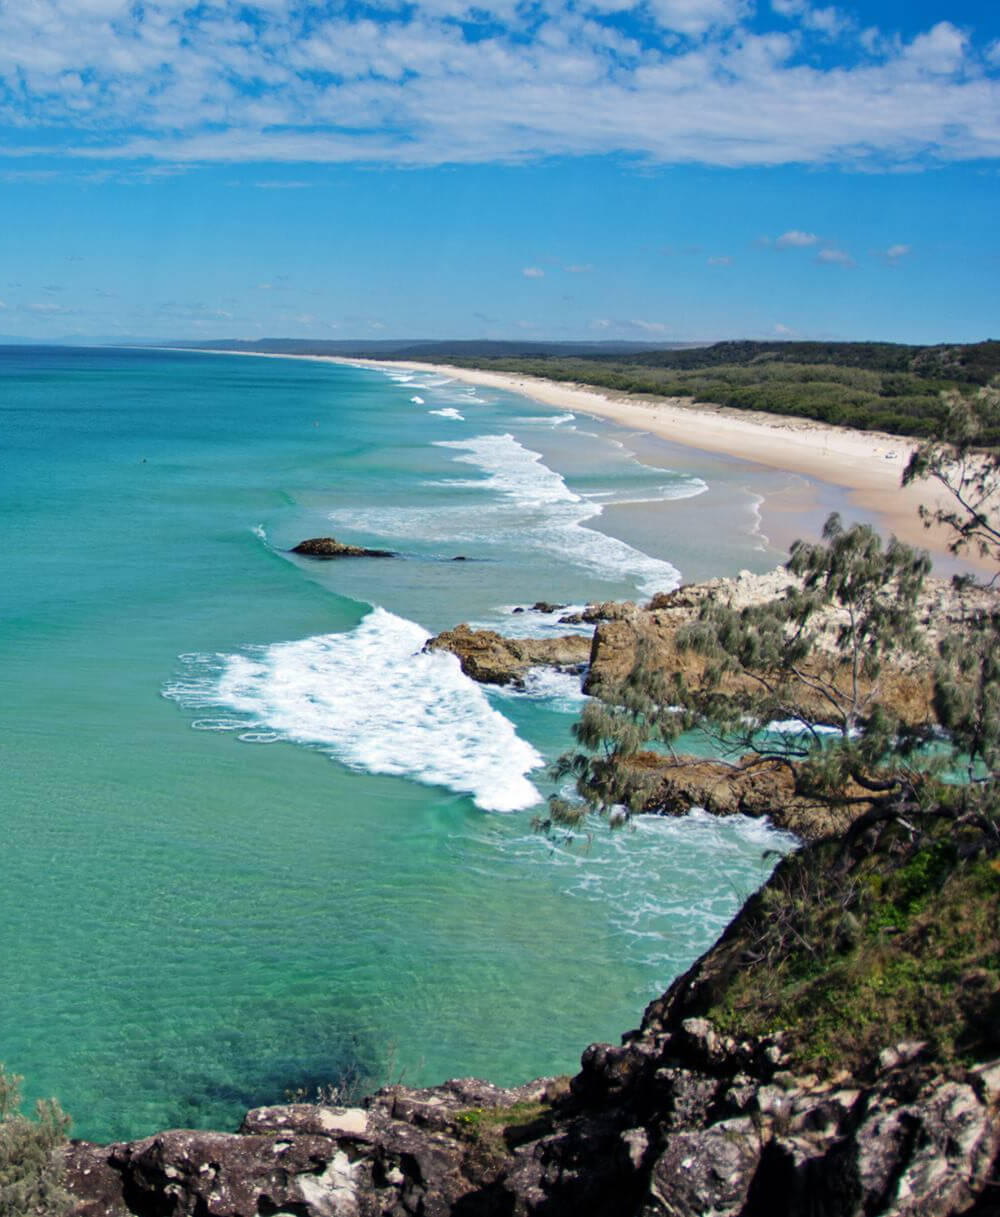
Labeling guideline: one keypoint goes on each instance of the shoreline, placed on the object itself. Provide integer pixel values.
(868, 465)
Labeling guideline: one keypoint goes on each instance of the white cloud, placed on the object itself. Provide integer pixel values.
(578, 268)
(601, 323)
(650, 327)
(794, 239)
(895, 252)
(171, 84)
(696, 16)
(782, 331)
(941, 50)
(834, 257)
(828, 21)
(722, 261)
(533, 272)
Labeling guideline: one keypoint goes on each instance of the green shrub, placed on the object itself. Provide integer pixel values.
(31, 1166)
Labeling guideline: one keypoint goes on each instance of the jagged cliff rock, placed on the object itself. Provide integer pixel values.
(493, 659)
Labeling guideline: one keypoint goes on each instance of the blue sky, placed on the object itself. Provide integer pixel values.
(675, 170)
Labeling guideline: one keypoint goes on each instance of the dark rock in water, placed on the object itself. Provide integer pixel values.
(543, 606)
(460, 558)
(330, 547)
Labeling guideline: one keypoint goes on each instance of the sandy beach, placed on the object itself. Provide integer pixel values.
(868, 464)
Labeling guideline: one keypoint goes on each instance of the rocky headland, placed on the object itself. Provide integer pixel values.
(493, 659)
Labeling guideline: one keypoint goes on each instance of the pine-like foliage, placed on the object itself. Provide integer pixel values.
(766, 675)
(966, 464)
(31, 1167)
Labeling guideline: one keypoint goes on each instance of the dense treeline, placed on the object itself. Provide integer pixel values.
(871, 386)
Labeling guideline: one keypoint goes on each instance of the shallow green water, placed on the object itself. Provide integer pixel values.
(192, 922)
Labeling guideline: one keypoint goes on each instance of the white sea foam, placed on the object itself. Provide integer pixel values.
(417, 401)
(373, 699)
(449, 412)
(545, 420)
(519, 476)
(561, 690)
(795, 726)
(520, 622)
(670, 885)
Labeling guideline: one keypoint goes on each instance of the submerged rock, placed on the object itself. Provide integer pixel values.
(330, 547)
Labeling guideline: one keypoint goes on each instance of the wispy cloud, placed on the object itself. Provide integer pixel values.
(168, 84)
(533, 272)
(834, 257)
(895, 252)
(794, 239)
(578, 268)
(720, 261)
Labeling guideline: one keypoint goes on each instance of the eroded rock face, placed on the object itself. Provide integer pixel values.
(330, 547)
(493, 659)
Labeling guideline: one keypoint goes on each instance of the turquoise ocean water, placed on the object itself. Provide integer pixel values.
(252, 837)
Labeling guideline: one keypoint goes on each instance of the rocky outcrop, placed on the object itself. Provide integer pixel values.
(493, 659)
(649, 634)
(330, 547)
(754, 787)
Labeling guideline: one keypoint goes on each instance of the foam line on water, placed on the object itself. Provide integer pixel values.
(672, 884)
(372, 699)
(518, 475)
(545, 420)
(449, 412)
(527, 507)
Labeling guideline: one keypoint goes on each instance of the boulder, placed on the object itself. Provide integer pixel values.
(491, 658)
(330, 547)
